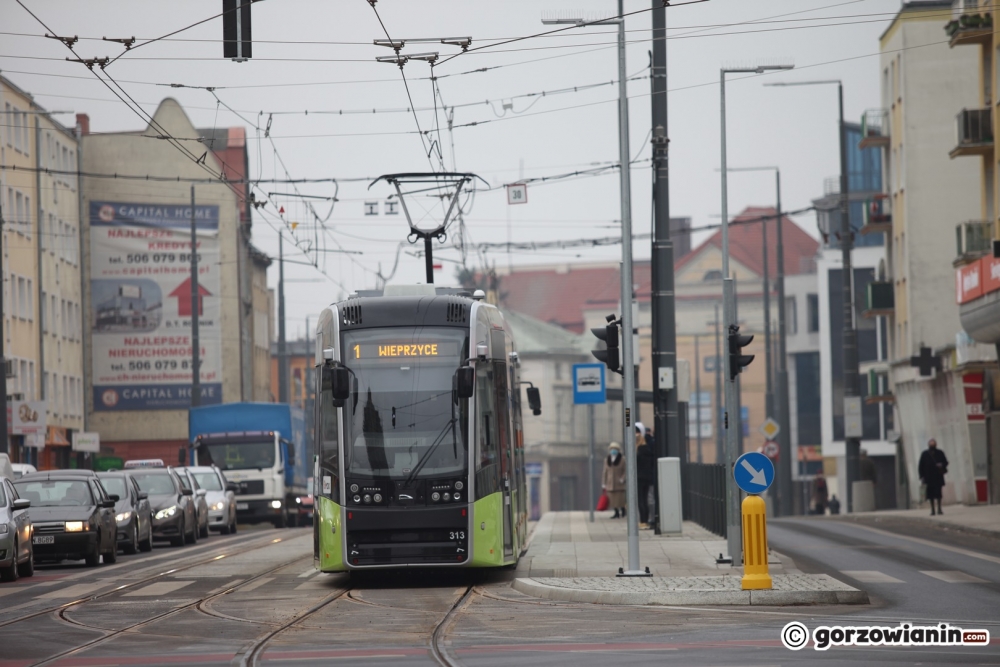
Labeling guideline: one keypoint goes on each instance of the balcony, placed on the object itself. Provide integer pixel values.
(970, 29)
(877, 215)
(878, 387)
(973, 239)
(874, 129)
(974, 129)
(880, 299)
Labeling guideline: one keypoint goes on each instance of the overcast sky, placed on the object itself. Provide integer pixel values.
(326, 49)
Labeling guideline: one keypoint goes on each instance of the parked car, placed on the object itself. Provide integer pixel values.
(219, 495)
(200, 503)
(17, 557)
(6, 468)
(175, 517)
(73, 516)
(132, 511)
(21, 469)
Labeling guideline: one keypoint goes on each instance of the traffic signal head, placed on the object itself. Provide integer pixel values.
(737, 360)
(609, 334)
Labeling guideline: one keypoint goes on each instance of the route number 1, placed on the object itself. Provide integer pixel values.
(517, 193)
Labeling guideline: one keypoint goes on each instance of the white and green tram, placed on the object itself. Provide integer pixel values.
(419, 447)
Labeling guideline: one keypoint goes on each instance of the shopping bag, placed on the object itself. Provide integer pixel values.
(603, 502)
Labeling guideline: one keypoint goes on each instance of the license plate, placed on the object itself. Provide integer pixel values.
(43, 539)
(242, 506)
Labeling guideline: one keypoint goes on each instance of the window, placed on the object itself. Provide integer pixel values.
(812, 308)
(8, 120)
(54, 394)
(712, 275)
(22, 297)
(44, 314)
(488, 445)
(791, 317)
(30, 308)
(25, 131)
(65, 395)
(26, 221)
(15, 117)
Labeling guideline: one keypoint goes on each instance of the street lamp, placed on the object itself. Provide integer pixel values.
(782, 407)
(852, 394)
(733, 515)
(628, 353)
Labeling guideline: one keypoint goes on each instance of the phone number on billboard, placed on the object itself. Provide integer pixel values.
(159, 257)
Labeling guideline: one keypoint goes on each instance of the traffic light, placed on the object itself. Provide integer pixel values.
(236, 29)
(609, 334)
(737, 360)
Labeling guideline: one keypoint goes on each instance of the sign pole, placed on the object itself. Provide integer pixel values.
(590, 471)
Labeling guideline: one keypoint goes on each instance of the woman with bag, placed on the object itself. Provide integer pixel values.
(613, 479)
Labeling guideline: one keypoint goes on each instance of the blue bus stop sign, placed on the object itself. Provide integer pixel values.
(588, 384)
(753, 472)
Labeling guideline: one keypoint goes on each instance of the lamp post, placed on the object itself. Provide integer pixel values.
(628, 354)
(779, 408)
(733, 541)
(852, 393)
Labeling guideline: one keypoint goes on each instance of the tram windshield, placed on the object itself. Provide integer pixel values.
(402, 421)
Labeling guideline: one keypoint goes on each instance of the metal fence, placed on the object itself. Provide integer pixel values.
(704, 487)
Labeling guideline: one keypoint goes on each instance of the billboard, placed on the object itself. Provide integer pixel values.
(141, 305)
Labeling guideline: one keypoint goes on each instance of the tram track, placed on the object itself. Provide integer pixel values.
(145, 580)
(441, 630)
(109, 635)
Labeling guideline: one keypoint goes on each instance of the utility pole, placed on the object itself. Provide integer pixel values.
(4, 443)
(665, 411)
(720, 455)
(282, 353)
(195, 312)
(784, 419)
(697, 393)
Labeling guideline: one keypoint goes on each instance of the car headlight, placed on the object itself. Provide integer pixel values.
(218, 506)
(166, 512)
(123, 517)
(75, 526)
(3, 529)
(276, 504)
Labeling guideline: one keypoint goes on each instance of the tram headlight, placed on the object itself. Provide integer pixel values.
(357, 498)
(368, 498)
(354, 488)
(459, 485)
(377, 497)
(447, 496)
(456, 496)
(435, 496)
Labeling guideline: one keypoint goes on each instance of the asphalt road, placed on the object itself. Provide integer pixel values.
(253, 598)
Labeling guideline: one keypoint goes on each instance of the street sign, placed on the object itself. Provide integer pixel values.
(517, 193)
(533, 469)
(588, 384)
(769, 429)
(853, 424)
(770, 449)
(753, 472)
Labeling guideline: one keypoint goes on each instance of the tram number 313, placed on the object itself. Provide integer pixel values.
(456, 535)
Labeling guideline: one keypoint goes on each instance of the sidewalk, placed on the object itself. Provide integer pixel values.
(981, 519)
(573, 560)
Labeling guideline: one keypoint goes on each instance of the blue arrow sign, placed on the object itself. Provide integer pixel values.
(753, 472)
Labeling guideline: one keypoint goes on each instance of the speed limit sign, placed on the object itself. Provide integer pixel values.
(517, 193)
(770, 449)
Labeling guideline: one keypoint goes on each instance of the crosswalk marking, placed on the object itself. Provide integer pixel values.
(255, 584)
(872, 577)
(308, 573)
(953, 577)
(74, 591)
(159, 588)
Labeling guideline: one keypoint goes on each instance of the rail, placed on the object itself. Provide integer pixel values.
(704, 492)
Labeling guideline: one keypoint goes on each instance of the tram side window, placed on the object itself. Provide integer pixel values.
(503, 414)
(329, 454)
(487, 440)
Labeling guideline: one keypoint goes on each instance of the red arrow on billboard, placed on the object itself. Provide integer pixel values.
(183, 294)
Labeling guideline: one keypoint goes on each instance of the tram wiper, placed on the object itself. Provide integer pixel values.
(430, 450)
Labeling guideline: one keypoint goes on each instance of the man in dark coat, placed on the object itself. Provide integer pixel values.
(932, 468)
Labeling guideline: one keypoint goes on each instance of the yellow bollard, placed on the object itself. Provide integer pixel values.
(755, 574)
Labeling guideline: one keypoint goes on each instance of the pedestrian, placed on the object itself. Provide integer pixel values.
(654, 511)
(645, 463)
(613, 479)
(867, 468)
(650, 438)
(834, 504)
(932, 468)
(819, 495)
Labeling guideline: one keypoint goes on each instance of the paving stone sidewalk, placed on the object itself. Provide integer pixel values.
(571, 559)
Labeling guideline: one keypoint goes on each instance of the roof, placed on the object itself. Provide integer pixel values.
(534, 336)
(746, 243)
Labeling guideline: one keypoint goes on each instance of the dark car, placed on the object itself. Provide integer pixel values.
(133, 512)
(73, 515)
(16, 557)
(174, 513)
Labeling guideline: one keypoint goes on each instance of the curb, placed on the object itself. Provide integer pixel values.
(873, 521)
(534, 588)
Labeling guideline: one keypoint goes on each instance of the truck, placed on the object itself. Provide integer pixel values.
(261, 448)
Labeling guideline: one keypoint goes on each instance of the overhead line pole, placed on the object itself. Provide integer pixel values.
(282, 352)
(195, 312)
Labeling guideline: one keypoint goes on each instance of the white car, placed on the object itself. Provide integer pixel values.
(220, 496)
(21, 469)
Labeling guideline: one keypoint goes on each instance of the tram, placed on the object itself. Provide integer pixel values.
(419, 453)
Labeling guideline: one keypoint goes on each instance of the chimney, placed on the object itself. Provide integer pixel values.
(83, 124)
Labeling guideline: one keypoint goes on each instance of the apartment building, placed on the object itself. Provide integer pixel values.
(42, 315)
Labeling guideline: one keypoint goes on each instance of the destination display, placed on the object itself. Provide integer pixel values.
(398, 350)
(142, 305)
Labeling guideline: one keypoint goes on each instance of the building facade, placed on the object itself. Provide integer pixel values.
(43, 314)
(138, 270)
